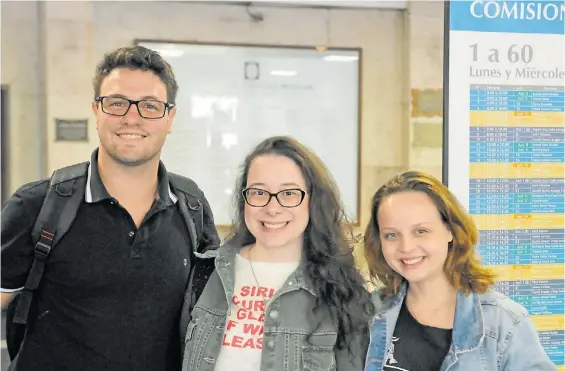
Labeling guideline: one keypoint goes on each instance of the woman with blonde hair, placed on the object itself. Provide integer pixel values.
(436, 309)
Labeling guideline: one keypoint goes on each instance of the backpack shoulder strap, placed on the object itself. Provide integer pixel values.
(190, 206)
(64, 196)
(185, 184)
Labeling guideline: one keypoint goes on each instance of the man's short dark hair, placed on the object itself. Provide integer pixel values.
(137, 58)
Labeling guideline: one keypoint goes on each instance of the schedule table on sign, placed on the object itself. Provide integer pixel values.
(516, 197)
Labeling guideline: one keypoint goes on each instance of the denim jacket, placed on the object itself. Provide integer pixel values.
(490, 332)
(293, 339)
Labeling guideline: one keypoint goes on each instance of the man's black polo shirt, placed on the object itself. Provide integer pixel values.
(111, 294)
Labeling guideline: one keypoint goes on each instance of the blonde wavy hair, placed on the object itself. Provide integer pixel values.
(462, 266)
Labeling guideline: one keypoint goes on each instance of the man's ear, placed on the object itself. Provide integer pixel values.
(172, 113)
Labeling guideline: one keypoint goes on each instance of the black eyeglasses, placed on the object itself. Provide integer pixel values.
(147, 108)
(257, 197)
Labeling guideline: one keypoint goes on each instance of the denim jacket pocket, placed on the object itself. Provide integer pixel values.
(195, 342)
(318, 358)
(190, 360)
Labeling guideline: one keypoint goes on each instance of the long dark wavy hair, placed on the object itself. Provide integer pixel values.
(327, 253)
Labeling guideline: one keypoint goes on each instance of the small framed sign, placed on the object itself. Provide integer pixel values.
(71, 130)
(427, 102)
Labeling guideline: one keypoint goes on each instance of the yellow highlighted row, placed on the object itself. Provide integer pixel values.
(519, 221)
(519, 272)
(561, 368)
(515, 119)
(550, 322)
(516, 170)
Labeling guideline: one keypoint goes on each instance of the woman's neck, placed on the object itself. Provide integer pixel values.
(258, 253)
(432, 302)
(431, 290)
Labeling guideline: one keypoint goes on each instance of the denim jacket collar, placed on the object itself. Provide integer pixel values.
(468, 326)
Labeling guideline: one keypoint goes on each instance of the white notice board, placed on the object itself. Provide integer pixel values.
(232, 97)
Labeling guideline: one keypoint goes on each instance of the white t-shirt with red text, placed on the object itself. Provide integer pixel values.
(243, 335)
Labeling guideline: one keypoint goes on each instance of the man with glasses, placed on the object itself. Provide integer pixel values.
(113, 287)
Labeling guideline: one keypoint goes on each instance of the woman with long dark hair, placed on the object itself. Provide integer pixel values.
(286, 293)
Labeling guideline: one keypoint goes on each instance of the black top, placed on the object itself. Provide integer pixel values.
(416, 347)
(111, 294)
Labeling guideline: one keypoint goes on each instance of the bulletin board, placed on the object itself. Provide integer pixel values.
(231, 97)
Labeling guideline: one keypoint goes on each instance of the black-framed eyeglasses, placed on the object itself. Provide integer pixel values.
(147, 108)
(257, 197)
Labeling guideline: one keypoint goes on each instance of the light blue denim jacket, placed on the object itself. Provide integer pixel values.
(294, 338)
(490, 332)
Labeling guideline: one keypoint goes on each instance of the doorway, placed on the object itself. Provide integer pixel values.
(4, 143)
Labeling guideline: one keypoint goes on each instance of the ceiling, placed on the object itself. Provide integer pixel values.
(376, 4)
(340, 4)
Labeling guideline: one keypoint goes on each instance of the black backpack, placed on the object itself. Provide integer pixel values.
(65, 195)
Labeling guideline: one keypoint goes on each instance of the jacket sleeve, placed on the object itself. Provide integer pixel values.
(523, 351)
(353, 358)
